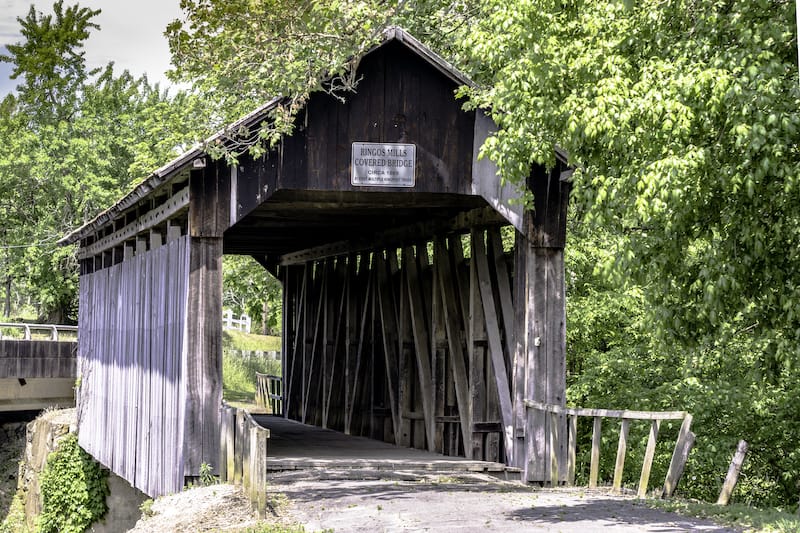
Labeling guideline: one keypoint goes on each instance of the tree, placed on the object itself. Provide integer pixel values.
(71, 143)
(682, 121)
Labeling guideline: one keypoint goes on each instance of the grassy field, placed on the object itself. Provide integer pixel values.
(239, 371)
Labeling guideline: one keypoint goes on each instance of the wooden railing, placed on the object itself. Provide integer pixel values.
(28, 328)
(559, 438)
(243, 455)
(269, 393)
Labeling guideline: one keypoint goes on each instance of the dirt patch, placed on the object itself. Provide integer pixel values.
(213, 508)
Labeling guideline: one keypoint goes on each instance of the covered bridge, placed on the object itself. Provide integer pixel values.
(409, 314)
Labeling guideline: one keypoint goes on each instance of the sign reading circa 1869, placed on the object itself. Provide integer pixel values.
(383, 164)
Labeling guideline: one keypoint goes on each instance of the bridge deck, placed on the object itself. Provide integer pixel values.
(294, 446)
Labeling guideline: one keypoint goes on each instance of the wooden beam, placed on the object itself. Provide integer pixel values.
(495, 345)
(421, 339)
(389, 336)
(204, 354)
(398, 237)
(455, 338)
(154, 217)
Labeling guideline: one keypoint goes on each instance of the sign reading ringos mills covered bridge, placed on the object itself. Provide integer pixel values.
(387, 165)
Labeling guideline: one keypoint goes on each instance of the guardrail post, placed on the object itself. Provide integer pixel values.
(594, 469)
(683, 445)
(647, 464)
(622, 449)
(572, 442)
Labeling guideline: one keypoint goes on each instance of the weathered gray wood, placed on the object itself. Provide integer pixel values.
(572, 438)
(732, 477)
(594, 468)
(455, 338)
(204, 355)
(396, 237)
(622, 449)
(607, 413)
(389, 337)
(649, 453)
(416, 308)
(493, 333)
(238, 464)
(171, 207)
(554, 447)
(683, 446)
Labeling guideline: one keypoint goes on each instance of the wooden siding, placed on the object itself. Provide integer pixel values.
(131, 356)
(37, 359)
(400, 98)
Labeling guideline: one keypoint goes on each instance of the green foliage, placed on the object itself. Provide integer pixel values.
(733, 387)
(736, 515)
(207, 476)
(146, 508)
(249, 289)
(239, 375)
(680, 118)
(71, 142)
(14, 521)
(239, 340)
(74, 489)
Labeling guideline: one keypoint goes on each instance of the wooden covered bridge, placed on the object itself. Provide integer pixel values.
(410, 314)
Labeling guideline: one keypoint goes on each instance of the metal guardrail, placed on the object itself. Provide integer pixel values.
(558, 438)
(54, 329)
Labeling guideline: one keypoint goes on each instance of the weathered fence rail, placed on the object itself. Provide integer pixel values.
(566, 438)
(53, 329)
(243, 455)
(269, 393)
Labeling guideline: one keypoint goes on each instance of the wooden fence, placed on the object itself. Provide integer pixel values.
(243, 323)
(243, 455)
(269, 393)
(567, 440)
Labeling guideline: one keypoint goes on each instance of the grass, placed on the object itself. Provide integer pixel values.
(737, 515)
(239, 340)
(239, 371)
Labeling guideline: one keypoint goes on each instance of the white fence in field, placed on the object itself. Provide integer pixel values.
(243, 323)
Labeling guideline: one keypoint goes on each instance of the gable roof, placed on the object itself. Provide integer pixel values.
(166, 173)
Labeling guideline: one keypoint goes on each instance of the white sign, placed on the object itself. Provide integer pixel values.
(383, 164)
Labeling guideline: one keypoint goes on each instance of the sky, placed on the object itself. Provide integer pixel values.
(130, 35)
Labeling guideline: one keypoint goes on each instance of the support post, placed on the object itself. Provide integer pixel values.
(203, 340)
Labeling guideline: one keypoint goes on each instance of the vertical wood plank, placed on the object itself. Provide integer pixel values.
(683, 446)
(204, 354)
(572, 442)
(622, 449)
(649, 453)
(417, 310)
(493, 334)
(733, 473)
(455, 338)
(594, 468)
(390, 341)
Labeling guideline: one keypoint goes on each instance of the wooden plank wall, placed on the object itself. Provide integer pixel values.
(37, 359)
(130, 347)
(396, 345)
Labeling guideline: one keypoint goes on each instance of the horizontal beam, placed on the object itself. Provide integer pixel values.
(480, 217)
(154, 217)
(607, 413)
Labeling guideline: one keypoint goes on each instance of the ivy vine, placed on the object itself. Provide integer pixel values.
(74, 489)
